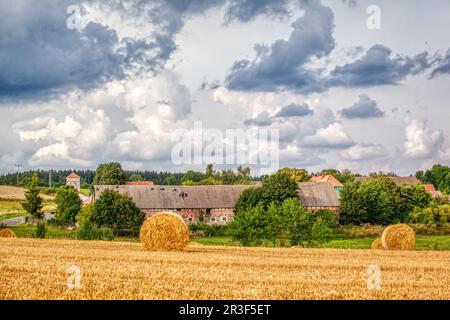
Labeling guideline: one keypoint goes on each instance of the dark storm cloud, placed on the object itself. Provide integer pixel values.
(38, 53)
(281, 65)
(365, 108)
(378, 67)
(41, 56)
(246, 10)
(443, 66)
(294, 110)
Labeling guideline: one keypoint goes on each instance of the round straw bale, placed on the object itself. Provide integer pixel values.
(376, 245)
(7, 233)
(398, 237)
(165, 231)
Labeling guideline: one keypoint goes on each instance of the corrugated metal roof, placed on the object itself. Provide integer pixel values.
(317, 194)
(179, 197)
(73, 175)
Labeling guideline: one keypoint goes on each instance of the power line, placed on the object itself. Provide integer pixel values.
(18, 172)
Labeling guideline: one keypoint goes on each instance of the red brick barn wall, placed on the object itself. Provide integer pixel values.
(198, 216)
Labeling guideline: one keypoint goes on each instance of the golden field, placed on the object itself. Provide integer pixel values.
(37, 269)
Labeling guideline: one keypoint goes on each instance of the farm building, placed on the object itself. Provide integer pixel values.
(74, 181)
(316, 196)
(335, 183)
(195, 204)
(212, 204)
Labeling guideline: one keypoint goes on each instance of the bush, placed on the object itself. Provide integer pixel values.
(89, 231)
(48, 191)
(422, 216)
(85, 214)
(282, 224)
(328, 217)
(215, 230)
(41, 230)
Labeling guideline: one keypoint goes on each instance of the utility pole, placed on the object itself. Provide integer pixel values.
(18, 172)
(50, 178)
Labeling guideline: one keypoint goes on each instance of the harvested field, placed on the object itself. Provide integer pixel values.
(15, 193)
(37, 269)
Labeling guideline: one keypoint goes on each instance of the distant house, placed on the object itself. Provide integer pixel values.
(430, 188)
(195, 204)
(316, 196)
(335, 183)
(139, 183)
(74, 181)
(399, 181)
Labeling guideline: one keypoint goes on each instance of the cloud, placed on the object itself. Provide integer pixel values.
(261, 120)
(443, 66)
(247, 10)
(333, 137)
(378, 67)
(365, 108)
(38, 53)
(282, 64)
(362, 152)
(421, 141)
(294, 110)
(121, 121)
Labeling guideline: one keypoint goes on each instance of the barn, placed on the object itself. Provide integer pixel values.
(195, 204)
(315, 196)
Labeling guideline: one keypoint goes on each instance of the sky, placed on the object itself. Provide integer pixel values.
(354, 84)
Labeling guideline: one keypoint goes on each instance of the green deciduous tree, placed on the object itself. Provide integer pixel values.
(378, 201)
(68, 204)
(284, 224)
(33, 201)
(136, 178)
(117, 212)
(110, 174)
(298, 175)
(278, 187)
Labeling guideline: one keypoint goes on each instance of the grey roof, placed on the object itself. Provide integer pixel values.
(179, 197)
(317, 194)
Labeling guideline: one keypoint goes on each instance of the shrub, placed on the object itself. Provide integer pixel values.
(423, 216)
(215, 230)
(282, 224)
(41, 230)
(89, 231)
(328, 217)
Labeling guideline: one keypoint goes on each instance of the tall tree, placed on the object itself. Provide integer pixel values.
(33, 201)
(68, 204)
(117, 212)
(298, 175)
(110, 174)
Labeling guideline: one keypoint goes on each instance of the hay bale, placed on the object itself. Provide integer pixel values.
(7, 233)
(398, 237)
(164, 231)
(376, 245)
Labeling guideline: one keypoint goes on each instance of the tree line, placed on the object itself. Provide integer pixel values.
(438, 175)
